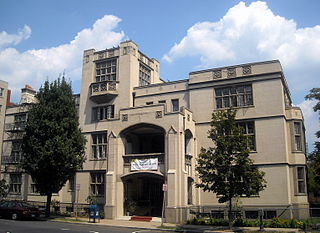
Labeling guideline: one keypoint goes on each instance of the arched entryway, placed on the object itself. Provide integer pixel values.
(143, 194)
(144, 147)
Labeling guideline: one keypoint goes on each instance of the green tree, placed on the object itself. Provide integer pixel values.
(314, 156)
(53, 145)
(3, 188)
(226, 168)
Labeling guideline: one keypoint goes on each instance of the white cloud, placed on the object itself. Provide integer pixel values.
(251, 33)
(33, 67)
(311, 120)
(14, 39)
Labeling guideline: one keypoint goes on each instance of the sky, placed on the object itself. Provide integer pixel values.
(41, 39)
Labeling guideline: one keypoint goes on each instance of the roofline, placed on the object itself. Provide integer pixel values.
(234, 66)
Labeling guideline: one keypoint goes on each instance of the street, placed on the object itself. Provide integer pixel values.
(37, 226)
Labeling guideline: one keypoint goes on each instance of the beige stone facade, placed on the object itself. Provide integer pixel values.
(143, 132)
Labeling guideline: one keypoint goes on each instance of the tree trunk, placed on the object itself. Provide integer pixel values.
(48, 205)
(230, 218)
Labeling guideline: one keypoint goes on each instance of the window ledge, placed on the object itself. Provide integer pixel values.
(98, 159)
(238, 107)
(301, 194)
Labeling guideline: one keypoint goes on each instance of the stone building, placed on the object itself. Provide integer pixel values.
(143, 132)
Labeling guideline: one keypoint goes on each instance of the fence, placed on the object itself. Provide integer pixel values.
(254, 213)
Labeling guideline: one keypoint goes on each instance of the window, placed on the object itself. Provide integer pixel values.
(15, 183)
(97, 184)
(161, 101)
(33, 188)
(297, 136)
(301, 180)
(1, 91)
(99, 146)
(106, 70)
(175, 105)
(149, 103)
(144, 75)
(190, 183)
(20, 117)
(72, 184)
(103, 112)
(236, 96)
(248, 130)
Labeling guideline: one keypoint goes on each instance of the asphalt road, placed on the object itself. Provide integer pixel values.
(31, 226)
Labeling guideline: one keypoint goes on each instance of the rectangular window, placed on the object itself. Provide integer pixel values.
(161, 101)
(1, 91)
(175, 105)
(72, 184)
(236, 96)
(297, 136)
(149, 103)
(301, 180)
(103, 113)
(33, 188)
(144, 75)
(106, 70)
(99, 146)
(97, 183)
(15, 183)
(248, 130)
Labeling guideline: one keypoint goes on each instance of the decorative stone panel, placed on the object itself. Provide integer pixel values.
(246, 70)
(231, 72)
(124, 117)
(217, 74)
(158, 114)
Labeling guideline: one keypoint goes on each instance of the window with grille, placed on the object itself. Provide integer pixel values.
(236, 96)
(102, 113)
(297, 136)
(97, 183)
(144, 75)
(15, 183)
(248, 130)
(99, 146)
(106, 70)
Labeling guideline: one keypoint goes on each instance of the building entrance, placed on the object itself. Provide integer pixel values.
(143, 195)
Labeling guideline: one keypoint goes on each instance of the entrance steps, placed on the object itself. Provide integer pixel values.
(141, 218)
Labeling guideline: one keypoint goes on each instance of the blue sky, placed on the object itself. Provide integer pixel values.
(40, 39)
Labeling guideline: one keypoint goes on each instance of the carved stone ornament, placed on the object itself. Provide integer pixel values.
(246, 70)
(231, 72)
(217, 74)
(124, 117)
(158, 114)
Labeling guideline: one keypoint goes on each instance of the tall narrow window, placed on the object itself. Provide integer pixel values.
(301, 180)
(175, 105)
(144, 75)
(15, 183)
(236, 96)
(99, 146)
(97, 183)
(33, 187)
(297, 136)
(248, 130)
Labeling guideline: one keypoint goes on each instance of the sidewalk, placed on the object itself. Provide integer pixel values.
(156, 225)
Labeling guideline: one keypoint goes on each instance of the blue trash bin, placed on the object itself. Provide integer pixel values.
(94, 213)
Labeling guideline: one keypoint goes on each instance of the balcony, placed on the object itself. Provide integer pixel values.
(102, 92)
(15, 127)
(14, 158)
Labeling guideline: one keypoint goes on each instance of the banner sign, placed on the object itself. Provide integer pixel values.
(144, 164)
